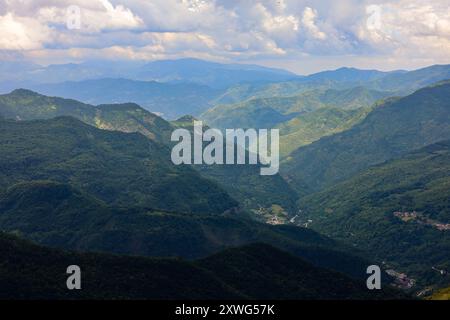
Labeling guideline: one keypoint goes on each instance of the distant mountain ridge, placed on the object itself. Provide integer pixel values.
(407, 82)
(216, 75)
(269, 112)
(188, 70)
(192, 86)
(170, 100)
(396, 82)
(346, 74)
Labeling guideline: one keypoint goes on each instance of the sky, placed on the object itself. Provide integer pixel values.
(301, 36)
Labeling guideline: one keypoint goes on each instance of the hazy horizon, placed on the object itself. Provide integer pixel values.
(280, 65)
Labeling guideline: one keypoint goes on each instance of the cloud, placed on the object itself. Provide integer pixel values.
(120, 16)
(405, 28)
(235, 30)
(19, 33)
(308, 20)
(97, 16)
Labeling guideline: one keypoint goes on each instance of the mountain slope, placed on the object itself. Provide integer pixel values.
(305, 281)
(269, 112)
(59, 215)
(265, 196)
(398, 210)
(32, 272)
(243, 182)
(305, 129)
(24, 104)
(118, 168)
(399, 126)
(407, 82)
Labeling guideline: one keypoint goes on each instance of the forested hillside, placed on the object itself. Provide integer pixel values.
(390, 130)
(398, 211)
(32, 272)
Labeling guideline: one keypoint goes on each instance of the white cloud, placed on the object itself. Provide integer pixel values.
(113, 17)
(309, 21)
(99, 15)
(413, 30)
(22, 33)
(409, 28)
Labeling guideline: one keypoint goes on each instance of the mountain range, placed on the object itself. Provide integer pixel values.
(67, 184)
(301, 119)
(189, 70)
(130, 118)
(393, 128)
(364, 180)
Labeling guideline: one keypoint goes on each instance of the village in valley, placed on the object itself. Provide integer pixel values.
(275, 215)
(414, 216)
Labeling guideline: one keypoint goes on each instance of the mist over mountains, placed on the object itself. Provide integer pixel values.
(173, 88)
(195, 71)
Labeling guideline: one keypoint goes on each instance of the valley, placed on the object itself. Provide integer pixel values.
(364, 179)
(200, 158)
